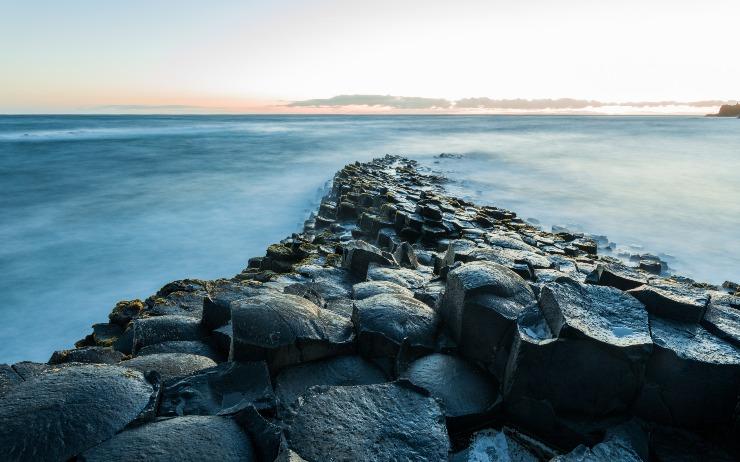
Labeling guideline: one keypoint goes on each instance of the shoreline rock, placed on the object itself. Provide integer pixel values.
(401, 323)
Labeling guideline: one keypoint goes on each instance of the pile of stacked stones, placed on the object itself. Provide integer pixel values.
(401, 324)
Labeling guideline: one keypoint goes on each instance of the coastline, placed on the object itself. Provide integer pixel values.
(406, 284)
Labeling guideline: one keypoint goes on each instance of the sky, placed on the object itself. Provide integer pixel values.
(298, 56)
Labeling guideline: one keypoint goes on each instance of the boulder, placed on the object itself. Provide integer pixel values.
(722, 317)
(286, 329)
(357, 256)
(293, 381)
(466, 392)
(602, 314)
(217, 305)
(495, 446)
(184, 439)
(169, 365)
(216, 389)
(616, 275)
(673, 300)
(8, 379)
(480, 306)
(405, 256)
(363, 290)
(29, 369)
(692, 378)
(383, 322)
(367, 423)
(98, 355)
(402, 276)
(148, 331)
(193, 347)
(59, 414)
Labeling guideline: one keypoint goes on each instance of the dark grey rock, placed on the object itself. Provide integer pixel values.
(692, 377)
(602, 452)
(368, 289)
(217, 305)
(61, 413)
(357, 256)
(480, 306)
(96, 355)
(673, 444)
(402, 276)
(286, 329)
(182, 439)
(158, 329)
(125, 311)
(29, 369)
(293, 381)
(673, 300)
(464, 390)
(8, 379)
(194, 347)
(384, 321)
(604, 314)
(616, 275)
(722, 317)
(431, 293)
(367, 423)
(495, 446)
(104, 334)
(169, 365)
(405, 256)
(216, 389)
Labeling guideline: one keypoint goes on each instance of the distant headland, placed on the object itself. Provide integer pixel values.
(727, 110)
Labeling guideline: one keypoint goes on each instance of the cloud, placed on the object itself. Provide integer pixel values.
(395, 102)
(526, 104)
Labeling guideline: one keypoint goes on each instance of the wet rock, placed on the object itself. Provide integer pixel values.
(604, 314)
(191, 438)
(431, 293)
(616, 275)
(722, 317)
(384, 321)
(495, 446)
(402, 276)
(216, 389)
(8, 379)
(105, 334)
(467, 393)
(194, 347)
(480, 307)
(309, 291)
(29, 369)
(158, 329)
(367, 423)
(59, 414)
(286, 329)
(125, 311)
(293, 381)
(405, 256)
(692, 378)
(674, 444)
(368, 289)
(357, 256)
(169, 365)
(97, 355)
(602, 452)
(673, 300)
(222, 338)
(216, 306)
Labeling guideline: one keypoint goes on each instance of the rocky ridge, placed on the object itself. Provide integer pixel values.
(400, 324)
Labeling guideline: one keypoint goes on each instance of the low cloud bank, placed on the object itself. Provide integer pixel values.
(483, 103)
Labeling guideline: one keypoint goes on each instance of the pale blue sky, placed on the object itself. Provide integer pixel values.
(70, 55)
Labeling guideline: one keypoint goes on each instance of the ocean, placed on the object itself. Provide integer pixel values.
(97, 209)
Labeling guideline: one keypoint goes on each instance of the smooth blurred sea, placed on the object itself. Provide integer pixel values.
(94, 209)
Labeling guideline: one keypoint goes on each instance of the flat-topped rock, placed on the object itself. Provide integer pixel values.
(463, 389)
(357, 256)
(385, 321)
(95, 355)
(216, 389)
(692, 377)
(8, 379)
(193, 347)
(169, 365)
(368, 289)
(722, 317)
(367, 423)
(185, 439)
(293, 381)
(616, 275)
(480, 306)
(286, 329)
(158, 329)
(402, 276)
(59, 414)
(673, 299)
(217, 305)
(604, 314)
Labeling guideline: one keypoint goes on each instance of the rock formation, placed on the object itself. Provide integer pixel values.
(400, 324)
